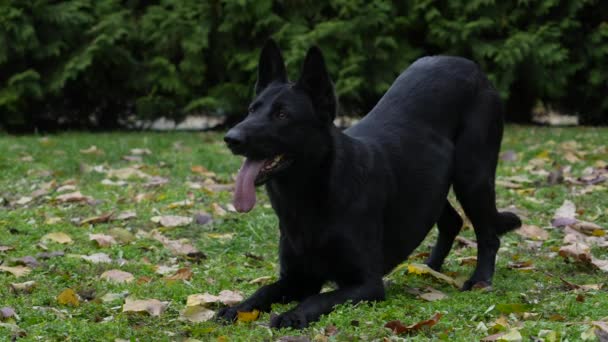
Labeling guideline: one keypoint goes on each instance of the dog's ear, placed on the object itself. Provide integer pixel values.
(315, 81)
(271, 66)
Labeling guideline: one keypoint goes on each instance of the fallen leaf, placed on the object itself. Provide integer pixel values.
(244, 316)
(565, 213)
(121, 235)
(398, 328)
(181, 274)
(171, 221)
(180, 204)
(600, 264)
(27, 260)
(125, 215)
(73, 197)
(578, 251)
(511, 308)
(202, 218)
(202, 171)
(66, 188)
(117, 276)
(17, 271)
(513, 335)
(128, 173)
(261, 280)
(425, 269)
(97, 258)
(220, 236)
(102, 239)
(156, 181)
(111, 297)
(68, 297)
(6, 248)
(141, 151)
(154, 307)
(25, 287)
(178, 247)
(58, 237)
(97, 219)
(196, 314)
(532, 232)
(433, 295)
(110, 182)
(24, 200)
(92, 150)
(164, 270)
(7, 312)
(466, 242)
(218, 210)
(227, 297)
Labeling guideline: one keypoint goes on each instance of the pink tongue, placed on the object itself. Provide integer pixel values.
(244, 193)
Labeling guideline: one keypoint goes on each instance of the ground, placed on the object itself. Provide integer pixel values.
(62, 184)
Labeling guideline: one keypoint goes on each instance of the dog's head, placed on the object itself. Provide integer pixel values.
(286, 121)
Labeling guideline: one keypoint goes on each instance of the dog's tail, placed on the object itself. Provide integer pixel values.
(507, 222)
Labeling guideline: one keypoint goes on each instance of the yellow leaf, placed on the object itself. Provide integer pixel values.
(543, 155)
(68, 297)
(425, 269)
(58, 237)
(244, 316)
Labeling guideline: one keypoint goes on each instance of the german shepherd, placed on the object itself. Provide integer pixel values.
(354, 204)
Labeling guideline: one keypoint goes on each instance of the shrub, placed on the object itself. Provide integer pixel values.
(102, 61)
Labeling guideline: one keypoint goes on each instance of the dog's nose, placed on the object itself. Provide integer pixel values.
(234, 138)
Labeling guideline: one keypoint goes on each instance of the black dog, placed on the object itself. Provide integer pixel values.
(352, 205)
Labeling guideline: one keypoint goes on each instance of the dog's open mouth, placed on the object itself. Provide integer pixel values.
(254, 173)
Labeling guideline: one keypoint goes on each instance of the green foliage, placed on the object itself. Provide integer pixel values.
(111, 60)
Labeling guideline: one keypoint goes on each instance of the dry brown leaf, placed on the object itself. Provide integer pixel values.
(103, 218)
(578, 251)
(117, 276)
(6, 248)
(125, 215)
(600, 264)
(68, 297)
(227, 297)
(110, 182)
(398, 328)
(196, 314)
(177, 247)
(171, 221)
(432, 295)
(154, 307)
(181, 274)
(532, 232)
(17, 271)
(66, 188)
(140, 151)
(102, 239)
(73, 197)
(58, 237)
(201, 170)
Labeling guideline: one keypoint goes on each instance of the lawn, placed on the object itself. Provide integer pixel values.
(56, 194)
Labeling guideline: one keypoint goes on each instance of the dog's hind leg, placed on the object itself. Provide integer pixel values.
(449, 225)
(476, 157)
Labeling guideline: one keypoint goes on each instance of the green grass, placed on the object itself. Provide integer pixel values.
(228, 265)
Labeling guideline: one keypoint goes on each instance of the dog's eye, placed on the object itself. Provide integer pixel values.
(251, 110)
(280, 115)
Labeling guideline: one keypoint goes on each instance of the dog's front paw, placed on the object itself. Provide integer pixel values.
(226, 315)
(472, 284)
(290, 319)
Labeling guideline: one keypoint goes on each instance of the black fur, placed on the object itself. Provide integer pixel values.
(354, 204)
